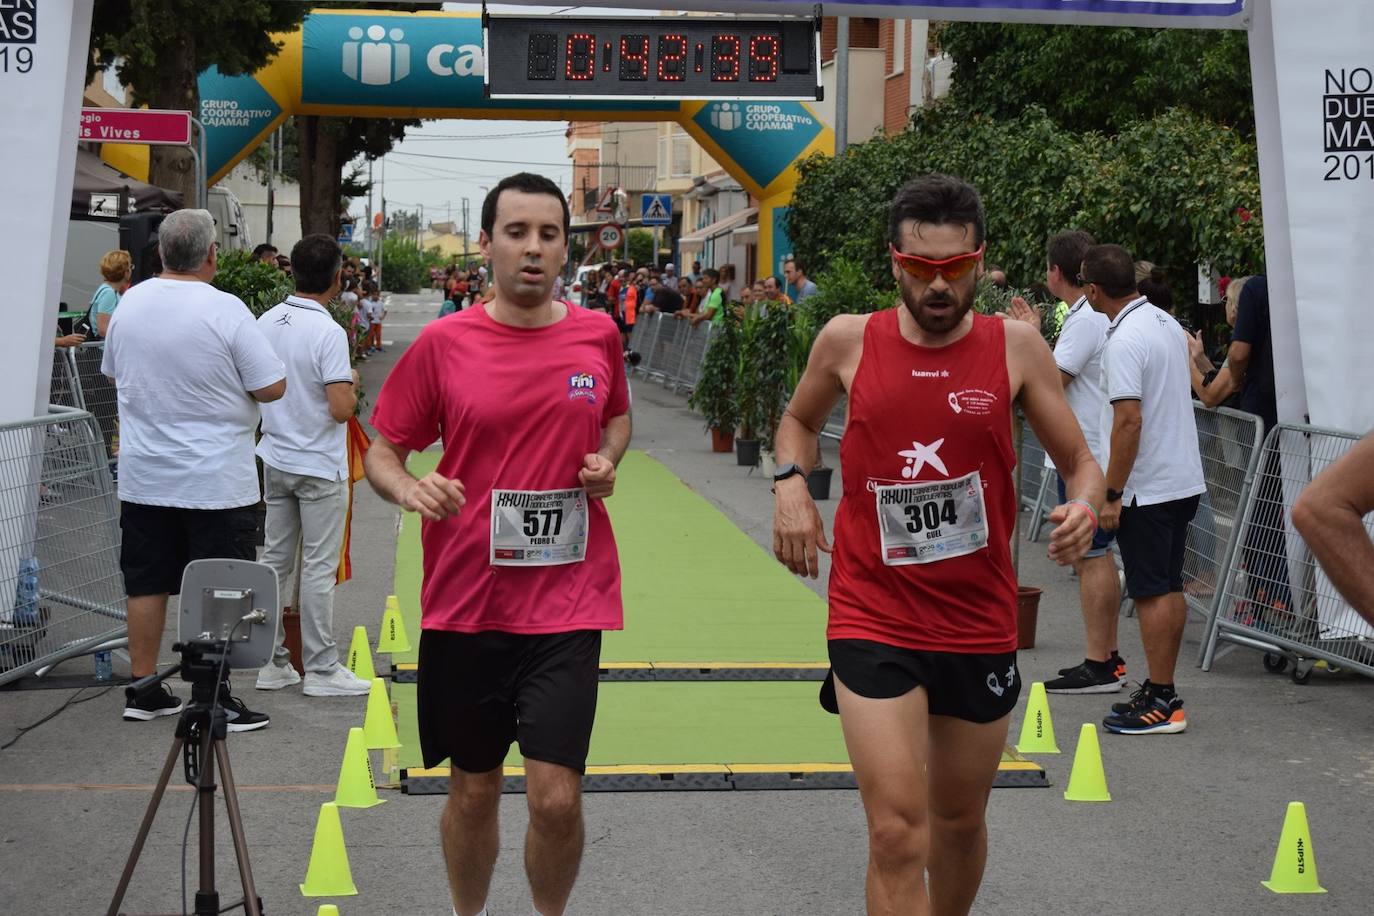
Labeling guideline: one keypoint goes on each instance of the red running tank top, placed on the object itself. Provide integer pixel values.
(920, 414)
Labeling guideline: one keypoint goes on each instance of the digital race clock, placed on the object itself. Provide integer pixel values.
(665, 57)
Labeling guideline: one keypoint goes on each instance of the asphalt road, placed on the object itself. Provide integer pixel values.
(1192, 827)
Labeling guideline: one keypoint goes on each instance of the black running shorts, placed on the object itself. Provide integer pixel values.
(158, 541)
(975, 688)
(1154, 540)
(478, 692)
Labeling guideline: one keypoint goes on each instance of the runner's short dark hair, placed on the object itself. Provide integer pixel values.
(529, 183)
(1112, 268)
(314, 261)
(1065, 250)
(941, 200)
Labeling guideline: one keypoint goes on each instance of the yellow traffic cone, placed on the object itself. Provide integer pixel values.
(328, 874)
(393, 635)
(328, 909)
(379, 729)
(359, 656)
(1037, 729)
(1295, 867)
(1087, 780)
(356, 788)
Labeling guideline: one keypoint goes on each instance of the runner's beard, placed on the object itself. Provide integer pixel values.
(520, 291)
(937, 322)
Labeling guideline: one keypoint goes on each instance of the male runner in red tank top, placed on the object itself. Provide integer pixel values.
(922, 632)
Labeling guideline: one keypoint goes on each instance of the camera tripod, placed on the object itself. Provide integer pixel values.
(199, 742)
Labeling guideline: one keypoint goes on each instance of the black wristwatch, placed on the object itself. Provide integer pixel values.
(1114, 496)
(786, 471)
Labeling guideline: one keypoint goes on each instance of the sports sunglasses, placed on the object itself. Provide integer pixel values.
(951, 269)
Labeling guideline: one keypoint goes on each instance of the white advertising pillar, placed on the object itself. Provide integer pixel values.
(1314, 108)
(43, 50)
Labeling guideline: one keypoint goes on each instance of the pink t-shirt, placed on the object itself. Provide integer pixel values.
(516, 411)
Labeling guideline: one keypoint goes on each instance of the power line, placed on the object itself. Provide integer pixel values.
(567, 163)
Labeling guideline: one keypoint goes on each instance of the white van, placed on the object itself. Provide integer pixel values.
(230, 224)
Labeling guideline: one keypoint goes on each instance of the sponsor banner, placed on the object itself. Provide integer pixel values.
(235, 111)
(764, 138)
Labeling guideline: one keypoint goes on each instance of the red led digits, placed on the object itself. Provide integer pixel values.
(763, 59)
(581, 57)
(725, 50)
(606, 58)
(672, 58)
(634, 57)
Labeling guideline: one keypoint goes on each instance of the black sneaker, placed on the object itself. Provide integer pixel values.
(241, 718)
(1117, 663)
(150, 704)
(1148, 713)
(1088, 677)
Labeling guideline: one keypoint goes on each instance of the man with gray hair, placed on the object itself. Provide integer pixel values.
(190, 366)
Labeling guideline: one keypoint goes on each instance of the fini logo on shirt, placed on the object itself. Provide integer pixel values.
(582, 385)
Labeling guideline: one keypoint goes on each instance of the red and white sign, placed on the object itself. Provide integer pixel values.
(136, 125)
(610, 236)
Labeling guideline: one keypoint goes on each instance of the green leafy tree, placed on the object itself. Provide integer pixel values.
(641, 246)
(158, 48)
(1101, 79)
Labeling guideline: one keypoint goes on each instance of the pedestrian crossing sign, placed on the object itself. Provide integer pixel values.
(656, 209)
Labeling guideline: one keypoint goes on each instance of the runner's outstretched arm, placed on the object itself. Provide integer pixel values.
(598, 468)
(1330, 514)
(434, 496)
(798, 532)
(1042, 398)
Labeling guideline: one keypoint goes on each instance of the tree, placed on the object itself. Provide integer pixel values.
(329, 144)
(641, 246)
(159, 47)
(1100, 78)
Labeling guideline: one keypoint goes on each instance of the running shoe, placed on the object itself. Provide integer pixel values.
(274, 677)
(150, 704)
(1148, 713)
(240, 717)
(1117, 662)
(1088, 677)
(337, 682)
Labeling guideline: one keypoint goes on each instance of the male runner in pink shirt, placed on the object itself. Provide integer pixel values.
(521, 576)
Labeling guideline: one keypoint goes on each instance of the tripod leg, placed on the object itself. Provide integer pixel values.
(207, 898)
(143, 828)
(251, 904)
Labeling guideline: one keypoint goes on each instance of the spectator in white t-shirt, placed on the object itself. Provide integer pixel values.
(1078, 354)
(304, 453)
(190, 366)
(376, 311)
(1154, 475)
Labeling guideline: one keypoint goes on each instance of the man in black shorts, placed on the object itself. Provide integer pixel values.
(188, 480)
(1154, 475)
(520, 571)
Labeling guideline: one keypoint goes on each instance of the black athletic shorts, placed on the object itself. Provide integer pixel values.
(975, 688)
(1153, 542)
(158, 542)
(478, 692)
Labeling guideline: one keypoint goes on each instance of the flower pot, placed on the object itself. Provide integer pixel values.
(746, 452)
(818, 482)
(768, 465)
(291, 635)
(1027, 612)
(722, 440)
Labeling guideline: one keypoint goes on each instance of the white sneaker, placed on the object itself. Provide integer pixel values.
(275, 677)
(337, 683)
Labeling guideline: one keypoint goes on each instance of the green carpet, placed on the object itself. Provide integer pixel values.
(695, 587)
(687, 723)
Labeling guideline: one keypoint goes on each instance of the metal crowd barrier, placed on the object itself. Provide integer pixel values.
(1274, 597)
(61, 591)
(671, 350)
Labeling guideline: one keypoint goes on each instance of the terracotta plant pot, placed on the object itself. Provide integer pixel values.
(722, 440)
(1027, 613)
(291, 632)
(746, 452)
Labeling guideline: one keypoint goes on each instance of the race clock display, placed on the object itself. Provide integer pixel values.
(534, 57)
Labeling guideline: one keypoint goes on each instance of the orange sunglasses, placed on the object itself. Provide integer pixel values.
(951, 269)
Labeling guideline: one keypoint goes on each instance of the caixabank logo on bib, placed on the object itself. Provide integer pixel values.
(763, 138)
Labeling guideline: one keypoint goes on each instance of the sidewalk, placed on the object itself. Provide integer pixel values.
(1192, 828)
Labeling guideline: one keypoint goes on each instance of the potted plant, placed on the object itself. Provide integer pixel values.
(714, 394)
(749, 404)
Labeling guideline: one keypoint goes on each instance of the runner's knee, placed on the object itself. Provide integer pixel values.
(897, 838)
(473, 796)
(556, 809)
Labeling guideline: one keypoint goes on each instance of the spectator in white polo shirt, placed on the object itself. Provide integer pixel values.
(305, 465)
(1154, 475)
(1078, 354)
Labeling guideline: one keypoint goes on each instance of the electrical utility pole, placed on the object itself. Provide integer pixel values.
(841, 85)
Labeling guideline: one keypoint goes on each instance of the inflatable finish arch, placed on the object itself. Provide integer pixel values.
(360, 63)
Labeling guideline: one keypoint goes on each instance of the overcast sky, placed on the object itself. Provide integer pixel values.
(440, 163)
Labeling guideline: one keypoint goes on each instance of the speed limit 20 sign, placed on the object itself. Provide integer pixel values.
(610, 236)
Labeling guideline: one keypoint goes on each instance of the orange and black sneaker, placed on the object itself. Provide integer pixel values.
(1148, 713)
